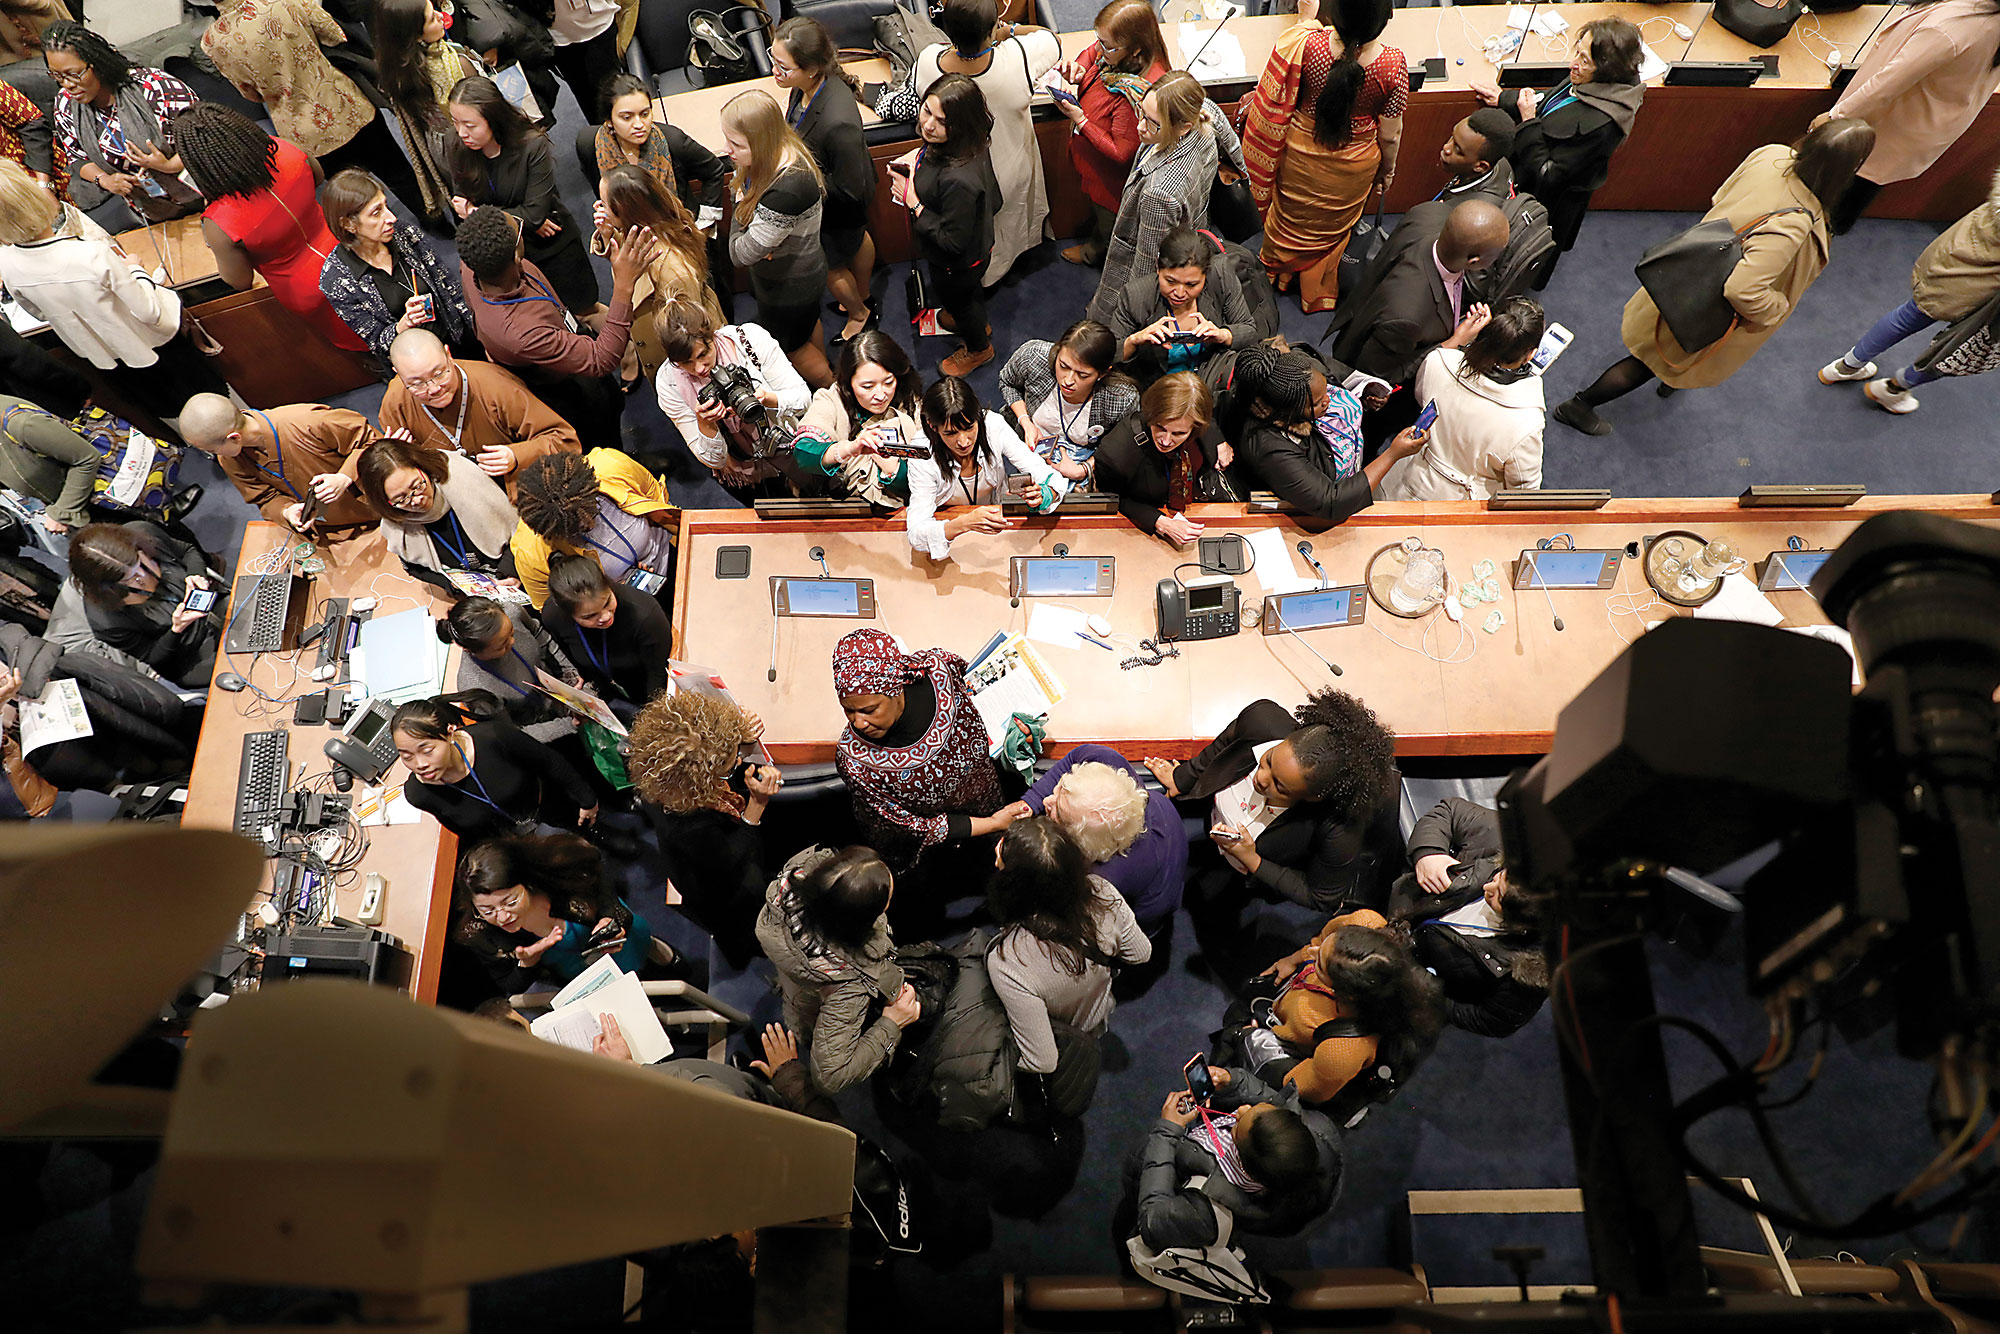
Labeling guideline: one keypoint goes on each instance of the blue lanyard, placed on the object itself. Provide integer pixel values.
(457, 552)
(542, 288)
(526, 666)
(278, 445)
(603, 666)
(481, 794)
(1068, 420)
(1560, 97)
(799, 119)
(631, 552)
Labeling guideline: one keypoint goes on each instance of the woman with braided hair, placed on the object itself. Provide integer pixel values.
(113, 120)
(263, 216)
(1282, 418)
(603, 506)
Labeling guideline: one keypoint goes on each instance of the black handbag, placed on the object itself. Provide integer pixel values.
(1231, 210)
(1684, 275)
(1367, 241)
(1757, 23)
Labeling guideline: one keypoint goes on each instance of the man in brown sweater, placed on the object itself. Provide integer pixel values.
(474, 407)
(279, 457)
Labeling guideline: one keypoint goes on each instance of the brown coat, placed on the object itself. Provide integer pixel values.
(502, 412)
(312, 439)
(1958, 272)
(1781, 259)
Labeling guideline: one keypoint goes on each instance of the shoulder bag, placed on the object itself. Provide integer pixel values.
(1685, 274)
(1756, 22)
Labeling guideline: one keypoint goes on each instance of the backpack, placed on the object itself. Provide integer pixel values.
(1531, 247)
(1216, 1272)
(1392, 1069)
(1256, 284)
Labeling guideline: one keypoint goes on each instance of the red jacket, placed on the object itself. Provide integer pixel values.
(1103, 150)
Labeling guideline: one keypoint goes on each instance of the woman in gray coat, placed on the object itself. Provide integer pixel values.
(824, 925)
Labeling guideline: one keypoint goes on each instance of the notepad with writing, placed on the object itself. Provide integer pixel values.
(605, 988)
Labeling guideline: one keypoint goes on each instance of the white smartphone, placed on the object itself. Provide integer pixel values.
(1554, 339)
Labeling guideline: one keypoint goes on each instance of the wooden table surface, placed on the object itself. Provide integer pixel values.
(1492, 693)
(418, 859)
(1684, 144)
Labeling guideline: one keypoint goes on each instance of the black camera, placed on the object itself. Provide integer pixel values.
(732, 387)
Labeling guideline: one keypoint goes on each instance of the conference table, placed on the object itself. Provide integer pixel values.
(417, 860)
(1685, 142)
(1442, 687)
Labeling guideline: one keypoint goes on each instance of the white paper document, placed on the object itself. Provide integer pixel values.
(1739, 600)
(1013, 679)
(1222, 60)
(1059, 626)
(1273, 564)
(605, 988)
(57, 714)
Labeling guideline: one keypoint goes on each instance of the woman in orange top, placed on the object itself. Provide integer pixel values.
(1358, 977)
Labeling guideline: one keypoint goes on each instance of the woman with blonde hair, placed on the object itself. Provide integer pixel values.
(64, 270)
(1129, 835)
(707, 803)
(1182, 136)
(629, 196)
(775, 230)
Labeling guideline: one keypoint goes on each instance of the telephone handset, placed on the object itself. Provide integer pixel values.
(1206, 608)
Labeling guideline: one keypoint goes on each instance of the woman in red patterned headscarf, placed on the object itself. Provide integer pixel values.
(914, 752)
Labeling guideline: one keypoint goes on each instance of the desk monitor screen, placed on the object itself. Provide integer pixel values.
(1061, 576)
(1314, 609)
(823, 597)
(1791, 569)
(1567, 569)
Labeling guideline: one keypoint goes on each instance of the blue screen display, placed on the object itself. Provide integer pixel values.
(1304, 611)
(823, 597)
(1565, 569)
(1055, 577)
(1796, 568)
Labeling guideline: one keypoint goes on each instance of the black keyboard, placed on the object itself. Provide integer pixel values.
(257, 619)
(260, 782)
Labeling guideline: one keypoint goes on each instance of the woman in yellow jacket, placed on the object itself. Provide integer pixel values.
(1782, 256)
(603, 505)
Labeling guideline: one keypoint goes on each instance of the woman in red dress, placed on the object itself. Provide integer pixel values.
(1110, 77)
(263, 216)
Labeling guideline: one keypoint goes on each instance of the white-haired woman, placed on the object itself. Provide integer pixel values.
(1132, 836)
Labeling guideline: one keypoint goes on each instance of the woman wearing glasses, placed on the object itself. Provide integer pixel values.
(145, 595)
(113, 120)
(382, 278)
(441, 515)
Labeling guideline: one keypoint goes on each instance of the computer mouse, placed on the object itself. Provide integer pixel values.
(1100, 627)
(230, 681)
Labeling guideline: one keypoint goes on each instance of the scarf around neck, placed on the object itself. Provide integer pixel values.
(475, 499)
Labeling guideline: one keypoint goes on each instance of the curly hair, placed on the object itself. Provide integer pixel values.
(556, 496)
(224, 151)
(488, 242)
(1348, 757)
(684, 747)
(1379, 981)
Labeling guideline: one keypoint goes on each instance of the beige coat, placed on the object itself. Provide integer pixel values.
(1487, 437)
(1781, 259)
(1922, 83)
(1958, 272)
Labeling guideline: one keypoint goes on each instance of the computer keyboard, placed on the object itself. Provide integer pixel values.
(260, 782)
(257, 618)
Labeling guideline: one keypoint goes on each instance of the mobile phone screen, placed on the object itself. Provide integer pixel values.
(1426, 417)
(200, 599)
(1198, 1081)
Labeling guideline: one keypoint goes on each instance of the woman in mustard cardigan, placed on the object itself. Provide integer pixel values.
(604, 505)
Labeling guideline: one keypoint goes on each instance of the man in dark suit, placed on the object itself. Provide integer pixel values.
(1415, 292)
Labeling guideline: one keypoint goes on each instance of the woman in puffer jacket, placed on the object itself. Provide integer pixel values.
(824, 925)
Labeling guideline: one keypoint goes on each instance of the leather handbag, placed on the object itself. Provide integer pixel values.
(1684, 275)
(1758, 23)
(1231, 210)
(1363, 245)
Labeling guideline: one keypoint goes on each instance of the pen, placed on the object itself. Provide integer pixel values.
(1100, 643)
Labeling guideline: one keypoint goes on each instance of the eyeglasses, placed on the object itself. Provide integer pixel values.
(1145, 119)
(415, 496)
(431, 381)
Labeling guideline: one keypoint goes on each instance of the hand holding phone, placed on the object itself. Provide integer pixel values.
(1200, 1086)
(1426, 417)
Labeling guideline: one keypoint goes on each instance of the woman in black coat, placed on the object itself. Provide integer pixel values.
(502, 159)
(1275, 402)
(616, 636)
(823, 111)
(136, 582)
(1479, 934)
(1562, 150)
(1189, 309)
(1153, 456)
(1300, 806)
(953, 198)
(480, 775)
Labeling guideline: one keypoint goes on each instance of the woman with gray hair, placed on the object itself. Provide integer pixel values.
(1132, 837)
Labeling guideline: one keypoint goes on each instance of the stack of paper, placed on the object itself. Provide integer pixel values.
(605, 988)
(1012, 679)
(1222, 60)
(707, 681)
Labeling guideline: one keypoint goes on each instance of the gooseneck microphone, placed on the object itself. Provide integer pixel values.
(1542, 579)
(1333, 667)
(819, 554)
(1306, 550)
(772, 674)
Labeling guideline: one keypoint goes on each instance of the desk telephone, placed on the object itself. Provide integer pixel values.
(1209, 607)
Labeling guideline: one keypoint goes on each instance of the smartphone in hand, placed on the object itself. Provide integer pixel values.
(200, 599)
(1198, 1081)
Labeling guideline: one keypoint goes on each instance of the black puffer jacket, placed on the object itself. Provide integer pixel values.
(139, 722)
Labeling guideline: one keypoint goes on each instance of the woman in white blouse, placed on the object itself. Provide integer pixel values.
(65, 270)
(1490, 410)
(694, 347)
(973, 452)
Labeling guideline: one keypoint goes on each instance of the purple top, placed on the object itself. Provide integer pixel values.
(1149, 874)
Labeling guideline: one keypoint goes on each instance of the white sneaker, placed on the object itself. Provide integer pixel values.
(1836, 372)
(1889, 398)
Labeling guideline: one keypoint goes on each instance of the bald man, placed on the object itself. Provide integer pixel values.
(473, 407)
(278, 457)
(1415, 292)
